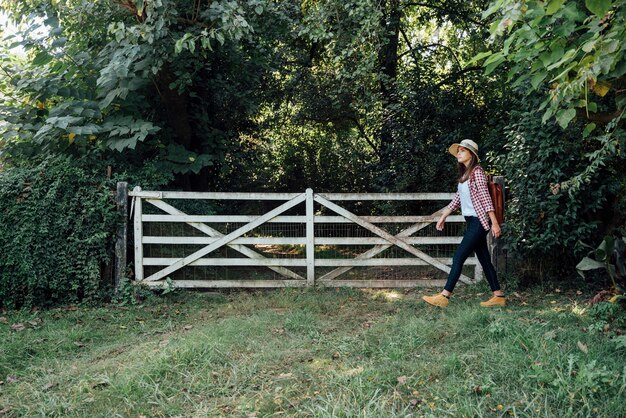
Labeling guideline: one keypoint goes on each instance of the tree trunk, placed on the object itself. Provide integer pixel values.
(388, 62)
(176, 106)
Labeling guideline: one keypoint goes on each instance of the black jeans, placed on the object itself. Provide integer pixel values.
(474, 240)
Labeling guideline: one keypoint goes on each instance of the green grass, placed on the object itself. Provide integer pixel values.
(340, 353)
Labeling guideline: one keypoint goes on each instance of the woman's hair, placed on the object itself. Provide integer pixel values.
(466, 172)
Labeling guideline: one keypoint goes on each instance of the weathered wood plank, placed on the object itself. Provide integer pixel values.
(386, 284)
(214, 195)
(310, 239)
(302, 262)
(287, 196)
(216, 284)
(217, 261)
(295, 219)
(388, 196)
(121, 200)
(300, 241)
(138, 232)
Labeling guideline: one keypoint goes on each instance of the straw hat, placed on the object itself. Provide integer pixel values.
(466, 143)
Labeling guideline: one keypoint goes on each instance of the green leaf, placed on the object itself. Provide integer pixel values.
(140, 6)
(42, 58)
(547, 115)
(537, 79)
(564, 117)
(592, 107)
(588, 129)
(178, 46)
(480, 56)
(553, 6)
(598, 7)
(589, 264)
(495, 6)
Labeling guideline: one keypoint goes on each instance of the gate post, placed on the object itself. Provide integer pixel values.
(121, 200)
(138, 233)
(310, 239)
(478, 272)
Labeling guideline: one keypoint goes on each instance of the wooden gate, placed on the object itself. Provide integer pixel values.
(330, 210)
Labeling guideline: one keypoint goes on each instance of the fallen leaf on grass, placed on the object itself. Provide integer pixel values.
(79, 344)
(18, 327)
(48, 386)
(12, 378)
(285, 376)
(582, 347)
(402, 380)
(187, 327)
(278, 331)
(549, 335)
(5, 411)
(336, 355)
(164, 343)
(4, 320)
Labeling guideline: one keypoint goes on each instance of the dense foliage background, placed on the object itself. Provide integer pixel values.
(358, 95)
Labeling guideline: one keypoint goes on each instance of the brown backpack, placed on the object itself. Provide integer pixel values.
(497, 197)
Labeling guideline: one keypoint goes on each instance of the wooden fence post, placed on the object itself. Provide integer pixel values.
(121, 200)
(310, 239)
(138, 233)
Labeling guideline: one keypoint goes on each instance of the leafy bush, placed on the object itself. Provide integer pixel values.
(57, 223)
(547, 217)
(610, 256)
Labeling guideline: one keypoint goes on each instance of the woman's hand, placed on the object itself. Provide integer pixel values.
(441, 222)
(496, 231)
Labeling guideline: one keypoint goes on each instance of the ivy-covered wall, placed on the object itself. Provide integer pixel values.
(57, 225)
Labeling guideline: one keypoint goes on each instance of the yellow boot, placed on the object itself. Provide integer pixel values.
(436, 300)
(494, 302)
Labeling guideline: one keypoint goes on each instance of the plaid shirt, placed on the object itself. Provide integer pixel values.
(479, 193)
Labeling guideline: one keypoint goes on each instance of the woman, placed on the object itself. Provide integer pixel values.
(475, 202)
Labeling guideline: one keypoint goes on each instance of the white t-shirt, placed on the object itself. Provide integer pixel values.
(467, 208)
